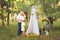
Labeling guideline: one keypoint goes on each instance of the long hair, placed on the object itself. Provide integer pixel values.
(26, 15)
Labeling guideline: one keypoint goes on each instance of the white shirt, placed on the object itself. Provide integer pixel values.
(20, 18)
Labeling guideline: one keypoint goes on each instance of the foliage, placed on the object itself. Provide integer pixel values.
(43, 7)
(47, 7)
(51, 7)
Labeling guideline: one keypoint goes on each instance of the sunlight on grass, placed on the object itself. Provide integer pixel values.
(10, 33)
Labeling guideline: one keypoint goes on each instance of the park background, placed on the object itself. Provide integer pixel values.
(10, 8)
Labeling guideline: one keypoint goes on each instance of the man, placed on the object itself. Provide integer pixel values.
(20, 19)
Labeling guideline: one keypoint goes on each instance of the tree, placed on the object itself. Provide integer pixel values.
(8, 5)
(2, 10)
(50, 7)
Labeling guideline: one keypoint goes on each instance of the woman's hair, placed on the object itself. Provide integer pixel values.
(26, 14)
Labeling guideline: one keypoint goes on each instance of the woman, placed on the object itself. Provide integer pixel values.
(23, 22)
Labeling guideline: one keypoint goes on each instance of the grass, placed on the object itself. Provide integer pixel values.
(10, 33)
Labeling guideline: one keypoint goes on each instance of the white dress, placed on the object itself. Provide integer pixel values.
(33, 24)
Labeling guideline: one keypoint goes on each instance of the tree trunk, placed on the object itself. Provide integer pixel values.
(8, 19)
(8, 12)
(2, 17)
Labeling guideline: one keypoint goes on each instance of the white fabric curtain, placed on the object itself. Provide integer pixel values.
(33, 24)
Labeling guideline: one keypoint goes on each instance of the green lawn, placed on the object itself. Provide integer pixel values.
(10, 33)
